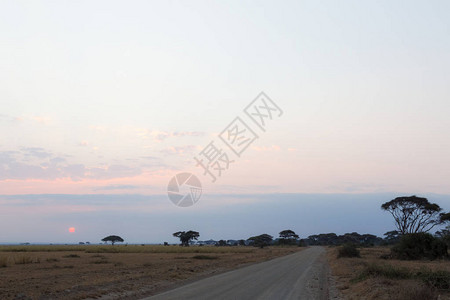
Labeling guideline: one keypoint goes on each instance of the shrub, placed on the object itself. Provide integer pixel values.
(72, 256)
(348, 250)
(438, 279)
(419, 246)
(387, 271)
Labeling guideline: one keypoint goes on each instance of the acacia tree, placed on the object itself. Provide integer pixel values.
(113, 239)
(288, 237)
(413, 214)
(261, 240)
(186, 237)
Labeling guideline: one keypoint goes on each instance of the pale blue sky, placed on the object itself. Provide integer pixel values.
(150, 219)
(117, 97)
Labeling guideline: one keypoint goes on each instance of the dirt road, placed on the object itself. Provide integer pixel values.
(302, 275)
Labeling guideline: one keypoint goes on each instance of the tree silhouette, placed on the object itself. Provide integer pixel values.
(113, 239)
(392, 237)
(221, 243)
(261, 240)
(186, 236)
(444, 217)
(413, 214)
(288, 237)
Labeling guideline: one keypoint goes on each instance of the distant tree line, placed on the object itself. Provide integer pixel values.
(287, 237)
(414, 217)
(326, 239)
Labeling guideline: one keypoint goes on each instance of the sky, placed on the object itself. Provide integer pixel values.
(103, 102)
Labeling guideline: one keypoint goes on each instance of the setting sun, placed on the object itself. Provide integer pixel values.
(72, 229)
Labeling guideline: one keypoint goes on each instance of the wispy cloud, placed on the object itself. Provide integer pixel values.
(26, 118)
(38, 163)
(113, 187)
(179, 150)
(112, 171)
(160, 136)
(36, 152)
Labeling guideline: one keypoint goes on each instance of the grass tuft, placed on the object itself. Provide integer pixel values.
(420, 291)
(436, 279)
(100, 261)
(23, 260)
(72, 256)
(439, 279)
(3, 262)
(52, 259)
(205, 257)
(384, 270)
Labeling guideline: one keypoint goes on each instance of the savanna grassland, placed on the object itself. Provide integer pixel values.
(373, 276)
(115, 272)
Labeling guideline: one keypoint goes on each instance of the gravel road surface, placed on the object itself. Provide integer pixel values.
(302, 275)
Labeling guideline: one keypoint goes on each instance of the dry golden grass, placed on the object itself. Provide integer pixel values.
(125, 249)
(3, 261)
(23, 260)
(133, 272)
(371, 277)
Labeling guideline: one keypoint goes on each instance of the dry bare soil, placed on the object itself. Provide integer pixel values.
(371, 277)
(115, 272)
